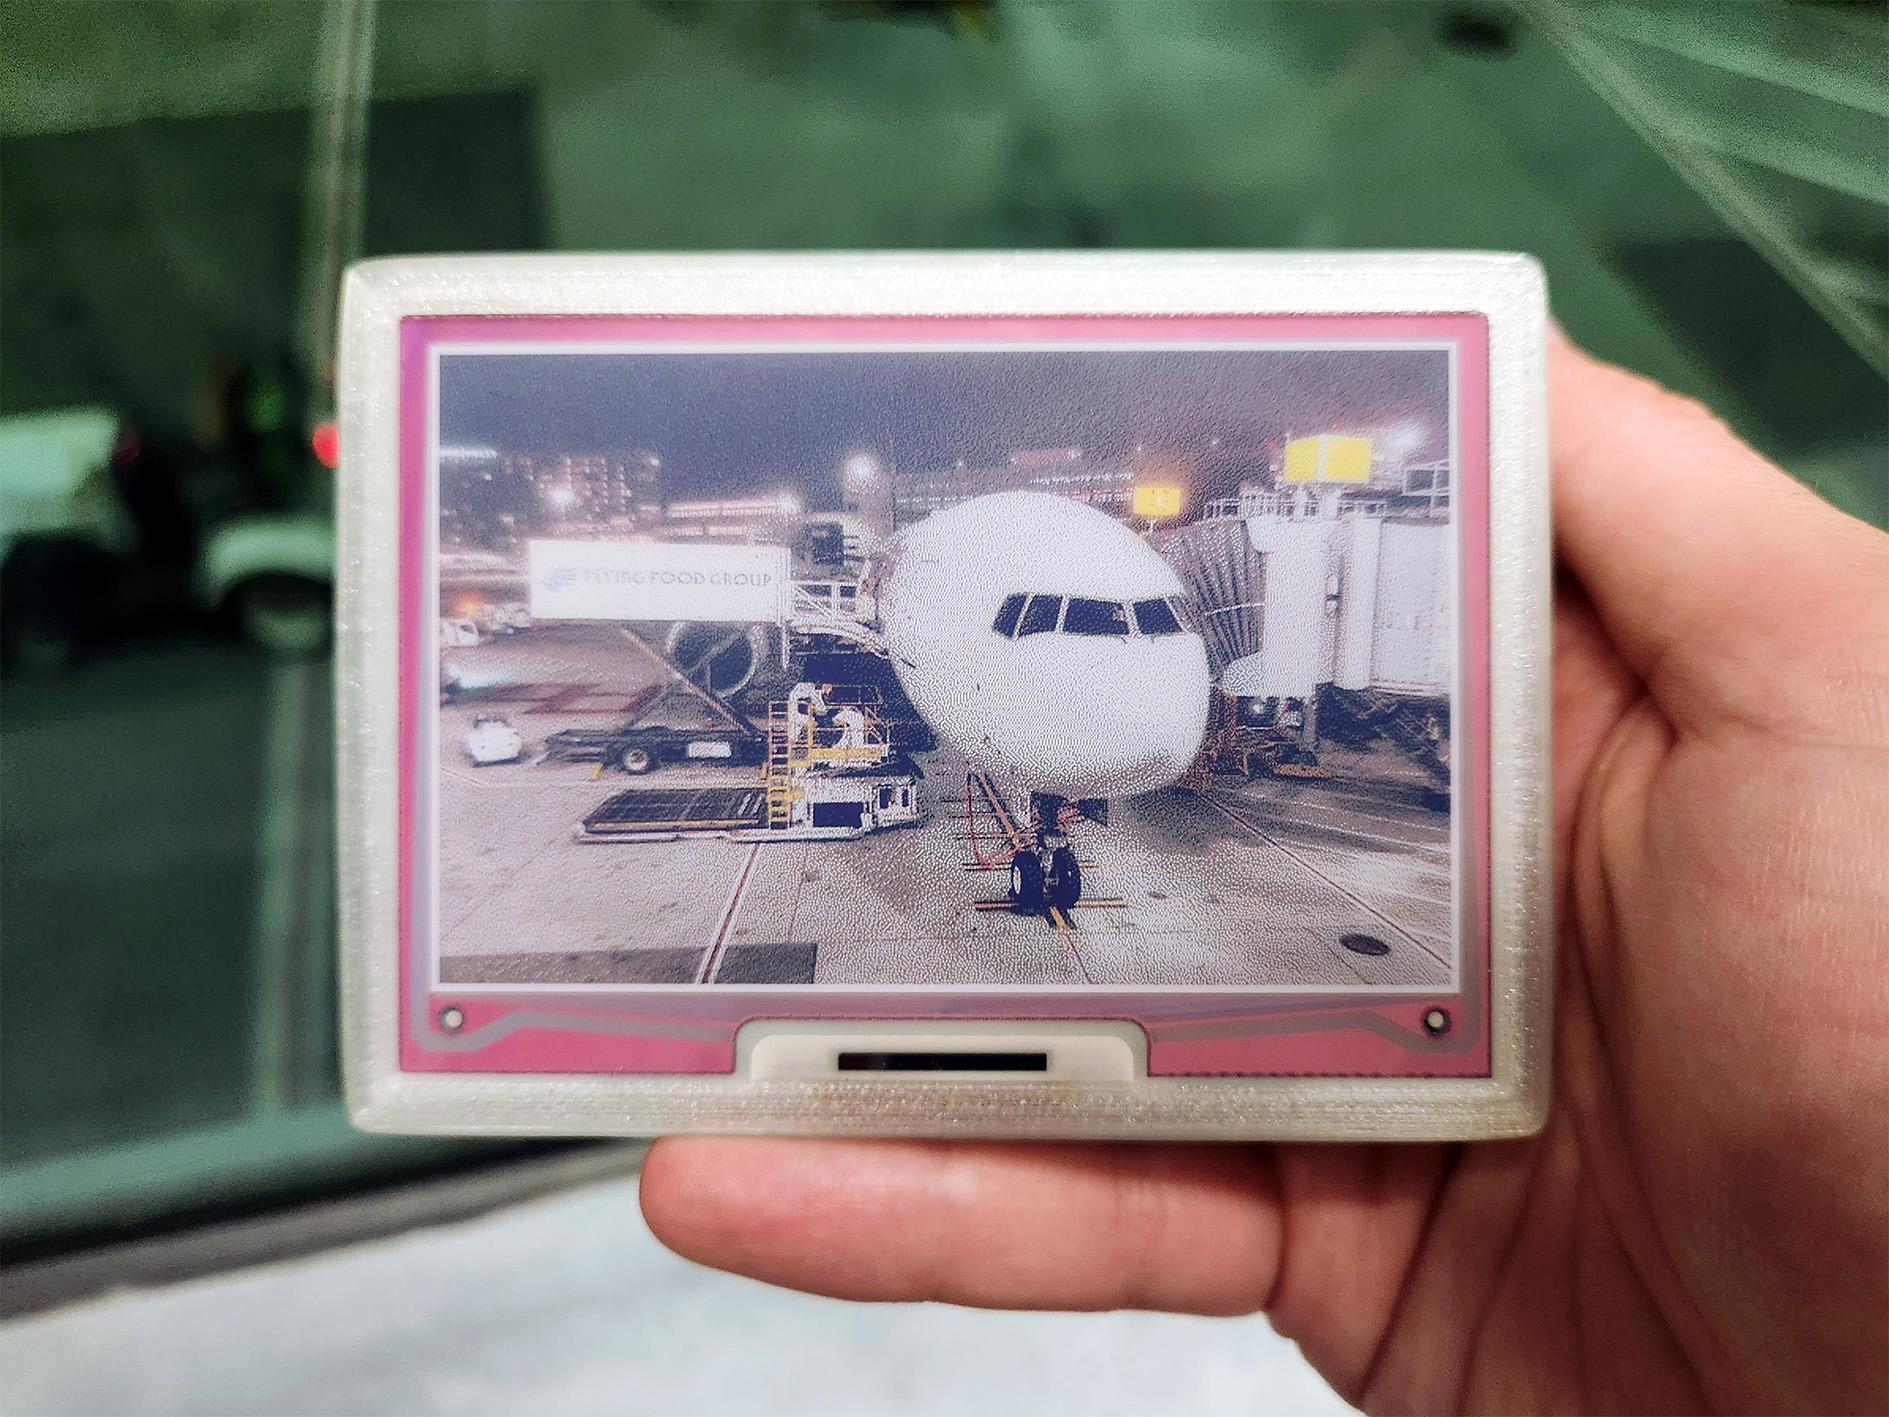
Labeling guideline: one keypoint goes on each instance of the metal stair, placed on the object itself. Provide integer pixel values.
(778, 777)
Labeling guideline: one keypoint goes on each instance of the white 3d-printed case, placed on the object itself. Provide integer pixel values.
(1011, 695)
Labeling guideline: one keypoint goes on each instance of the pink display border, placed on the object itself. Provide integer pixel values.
(1261, 1034)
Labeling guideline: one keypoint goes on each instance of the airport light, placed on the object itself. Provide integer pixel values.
(1328, 457)
(1399, 442)
(563, 498)
(1154, 499)
(325, 441)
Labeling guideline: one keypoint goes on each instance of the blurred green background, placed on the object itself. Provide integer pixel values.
(1705, 185)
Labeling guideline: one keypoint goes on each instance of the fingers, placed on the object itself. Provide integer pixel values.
(1355, 1219)
(1733, 592)
(1593, 689)
(999, 1225)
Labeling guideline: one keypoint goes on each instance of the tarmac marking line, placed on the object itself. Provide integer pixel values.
(712, 956)
(1292, 855)
(1435, 848)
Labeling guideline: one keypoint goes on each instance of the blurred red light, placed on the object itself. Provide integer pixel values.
(326, 441)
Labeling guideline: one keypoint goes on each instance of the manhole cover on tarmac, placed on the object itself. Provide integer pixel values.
(1364, 944)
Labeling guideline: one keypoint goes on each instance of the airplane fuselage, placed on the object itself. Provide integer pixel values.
(1044, 641)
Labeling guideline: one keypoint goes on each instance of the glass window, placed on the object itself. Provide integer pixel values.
(1096, 617)
(1006, 622)
(167, 1031)
(1156, 617)
(1042, 615)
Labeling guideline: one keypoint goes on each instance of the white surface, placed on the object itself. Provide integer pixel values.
(569, 1305)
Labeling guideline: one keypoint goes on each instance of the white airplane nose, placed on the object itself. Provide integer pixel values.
(1167, 731)
(1115, 720)
(1074, 711)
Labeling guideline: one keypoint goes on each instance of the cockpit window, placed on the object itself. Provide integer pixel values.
(1006, 622)
(1023, 614)
(1156, 617)
(1096, 617)
(1041, 616)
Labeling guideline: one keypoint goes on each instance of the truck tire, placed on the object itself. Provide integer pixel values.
(1065, 878)
(636, 760)
(1026, 881)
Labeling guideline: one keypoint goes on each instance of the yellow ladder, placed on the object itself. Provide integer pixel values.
(777, 777)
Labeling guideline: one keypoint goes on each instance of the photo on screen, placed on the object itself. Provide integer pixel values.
(973, 667)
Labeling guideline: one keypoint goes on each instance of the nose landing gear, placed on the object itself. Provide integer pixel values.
(1041, 879)
(1063, 881)
(1044, 872)
(1027, 881)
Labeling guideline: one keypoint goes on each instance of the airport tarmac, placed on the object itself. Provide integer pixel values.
(1250, 883)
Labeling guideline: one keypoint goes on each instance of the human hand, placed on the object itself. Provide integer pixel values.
(1704, 1222)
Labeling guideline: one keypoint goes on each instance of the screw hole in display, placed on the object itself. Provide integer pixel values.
(452, 1018)
(1364, 945)
(1436, 1022)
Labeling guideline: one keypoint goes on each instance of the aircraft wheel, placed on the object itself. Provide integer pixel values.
(636, 760)
(1065, 878)
(1026, 881)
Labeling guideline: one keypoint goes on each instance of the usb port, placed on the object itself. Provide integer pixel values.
(944, 1062)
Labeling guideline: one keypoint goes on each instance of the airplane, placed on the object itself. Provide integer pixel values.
(1050, 645)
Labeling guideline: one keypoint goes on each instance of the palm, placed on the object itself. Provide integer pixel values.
(1589, 1267)
(1702, 1223)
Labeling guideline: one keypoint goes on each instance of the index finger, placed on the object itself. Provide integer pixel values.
(993, 1224)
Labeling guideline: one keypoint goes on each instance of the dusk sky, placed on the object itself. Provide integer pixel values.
(727, 424)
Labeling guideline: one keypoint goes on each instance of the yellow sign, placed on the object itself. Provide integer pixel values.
(1328, 459)
(1153, 500)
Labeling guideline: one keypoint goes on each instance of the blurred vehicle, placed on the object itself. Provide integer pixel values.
(458, 633)
(640, 750)
(262, 499)
(503, 618)
(71, 570)
(493, 740)
(273, 573)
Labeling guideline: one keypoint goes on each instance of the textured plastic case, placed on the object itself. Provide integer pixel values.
(1014, 695)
